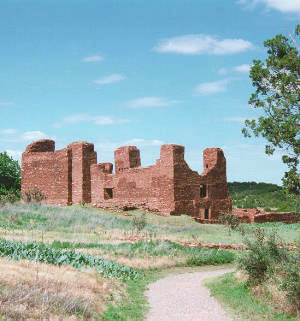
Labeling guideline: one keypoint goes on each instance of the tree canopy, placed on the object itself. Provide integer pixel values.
(277, 93)
(10, 175)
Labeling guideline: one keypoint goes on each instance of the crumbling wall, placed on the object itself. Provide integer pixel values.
(150, 187)
(203, 196)
(254, 215)
(47, 170)
(63, 175)
(72, 176)
(169, 186)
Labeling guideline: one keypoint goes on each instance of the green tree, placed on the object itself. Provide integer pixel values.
(277, 93)
(10, 175)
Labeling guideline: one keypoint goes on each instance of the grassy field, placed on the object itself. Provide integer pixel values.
(89, 248)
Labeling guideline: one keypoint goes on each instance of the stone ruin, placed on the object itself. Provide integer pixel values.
(255, 215)
(72, 176)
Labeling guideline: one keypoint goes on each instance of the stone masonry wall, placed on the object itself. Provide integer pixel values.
(72, 176)
(254, 215)
(63, 175)
(169, 186)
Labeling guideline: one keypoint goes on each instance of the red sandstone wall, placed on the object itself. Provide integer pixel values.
(72, 176)
(48, 171)
(151, 187)
(63, 176)
(254, 215)
(83, 156)
(187, 186)
(170, 186)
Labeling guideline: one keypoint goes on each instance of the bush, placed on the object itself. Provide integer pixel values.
(139, 222)
(261, 256)
(230, 220)
(34, 195)
(8, 198)
(291, 283)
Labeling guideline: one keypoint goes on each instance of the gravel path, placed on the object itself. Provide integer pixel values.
(183, 298)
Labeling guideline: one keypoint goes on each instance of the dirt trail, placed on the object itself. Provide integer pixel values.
(183, 298)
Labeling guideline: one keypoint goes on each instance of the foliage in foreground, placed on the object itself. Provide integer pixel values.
(44, 253)
(238, 297)
(265, 260)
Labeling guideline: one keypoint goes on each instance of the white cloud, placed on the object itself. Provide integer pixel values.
(284, 6)
(15, 154)
(210, 88)
(6, 103)
(245, 68)
(222, 71)
(108, 146)
(151, 102)
(97, 120)
(33, 135)
(92, 59)
(9, 131)
(110, 79)
(202, 44)
(143, 143)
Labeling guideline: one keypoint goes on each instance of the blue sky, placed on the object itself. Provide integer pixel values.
(133, 72)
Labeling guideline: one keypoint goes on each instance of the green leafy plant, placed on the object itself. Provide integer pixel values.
(10, 175)
(277, 94)
(44, 253)
(262, 253)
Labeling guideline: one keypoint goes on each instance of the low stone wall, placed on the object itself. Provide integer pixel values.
(254, 215)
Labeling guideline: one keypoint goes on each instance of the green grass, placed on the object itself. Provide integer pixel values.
(133, 306)
(238, 301)
(77, 222)
(195, 255)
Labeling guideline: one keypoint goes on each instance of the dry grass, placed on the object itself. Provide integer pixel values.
(30, 290)
(145, 262)
(268, 292)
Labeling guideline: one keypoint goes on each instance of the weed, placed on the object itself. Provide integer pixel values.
(33, 195)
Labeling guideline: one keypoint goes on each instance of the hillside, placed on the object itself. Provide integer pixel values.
(264, 195)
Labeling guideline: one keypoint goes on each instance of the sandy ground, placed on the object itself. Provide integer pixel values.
(183, 298)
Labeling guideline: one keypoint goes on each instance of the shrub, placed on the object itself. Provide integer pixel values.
(230, 220)
(8, 198)
(291, 283)
(261, 256)
(34, 195)
(139, 222)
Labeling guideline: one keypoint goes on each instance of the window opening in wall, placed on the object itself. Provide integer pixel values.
(206, 214)
(203, 191)
(206, 165)
(108, 193)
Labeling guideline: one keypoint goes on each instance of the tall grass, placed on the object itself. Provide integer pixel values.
(108, 225)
